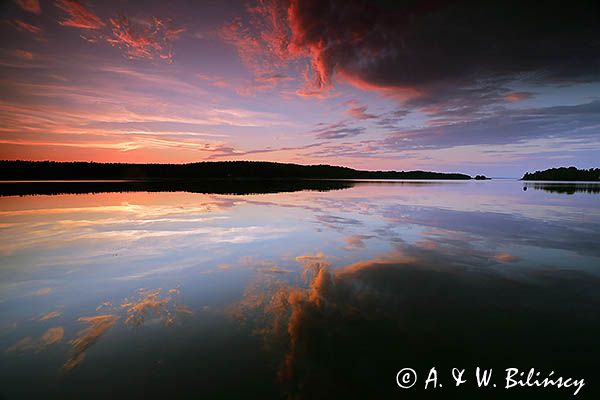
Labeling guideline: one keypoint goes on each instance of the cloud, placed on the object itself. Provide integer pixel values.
(506, 257)
(79, 16)
(357, 111)
(273, 78)
(24, 54)
(526, 131)
(26, 27)
(390, 120)
(411, 50)
(32, 6)
(226, 151)
(147, 39)
(261, 39)
(248, 47)
(517, 96)
(246, 87)
(509, 126)
(339, 130)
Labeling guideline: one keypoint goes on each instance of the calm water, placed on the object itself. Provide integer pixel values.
(300, 294)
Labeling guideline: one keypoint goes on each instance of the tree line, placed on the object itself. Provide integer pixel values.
(564, 174)
(53, 170)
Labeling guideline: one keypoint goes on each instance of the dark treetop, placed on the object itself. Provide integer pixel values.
(564, 174)
(51, 170)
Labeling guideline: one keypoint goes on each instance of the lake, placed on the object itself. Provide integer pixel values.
(314, 290)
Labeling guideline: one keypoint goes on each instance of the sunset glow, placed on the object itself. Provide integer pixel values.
(296, 81)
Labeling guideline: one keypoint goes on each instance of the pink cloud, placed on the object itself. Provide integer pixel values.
(357, 111)
(149, 39)
(79, 16)
(262, 40)
(32, 6)
(278, 33)
(24, 54)
(249, 48)
(25, 27)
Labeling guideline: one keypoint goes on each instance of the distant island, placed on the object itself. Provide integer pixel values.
(564, 174)
(52, 170)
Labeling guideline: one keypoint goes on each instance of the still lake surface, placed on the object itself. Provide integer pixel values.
(317, 293)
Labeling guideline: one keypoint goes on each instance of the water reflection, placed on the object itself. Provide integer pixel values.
(21, 188)
(151, 304)
(99, 325)
(50, 337)
(294, 295)
(566, 188)
(349, 327)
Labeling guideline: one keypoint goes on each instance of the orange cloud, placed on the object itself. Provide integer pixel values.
(32, 6)
(79, 16)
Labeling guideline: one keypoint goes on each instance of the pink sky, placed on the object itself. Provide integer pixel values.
(343, 83)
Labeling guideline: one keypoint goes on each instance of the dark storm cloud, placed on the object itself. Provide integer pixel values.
(458, 55)
(399, 44)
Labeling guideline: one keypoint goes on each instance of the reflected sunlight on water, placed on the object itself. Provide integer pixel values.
(293, 294)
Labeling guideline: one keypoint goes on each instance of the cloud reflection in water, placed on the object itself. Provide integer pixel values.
(348, 329)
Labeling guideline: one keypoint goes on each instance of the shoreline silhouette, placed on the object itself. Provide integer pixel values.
(564, 174)
(53, 170)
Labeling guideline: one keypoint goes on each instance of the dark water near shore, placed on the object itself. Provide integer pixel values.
(302, 290)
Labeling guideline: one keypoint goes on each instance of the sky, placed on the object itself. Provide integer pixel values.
(456, 86)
